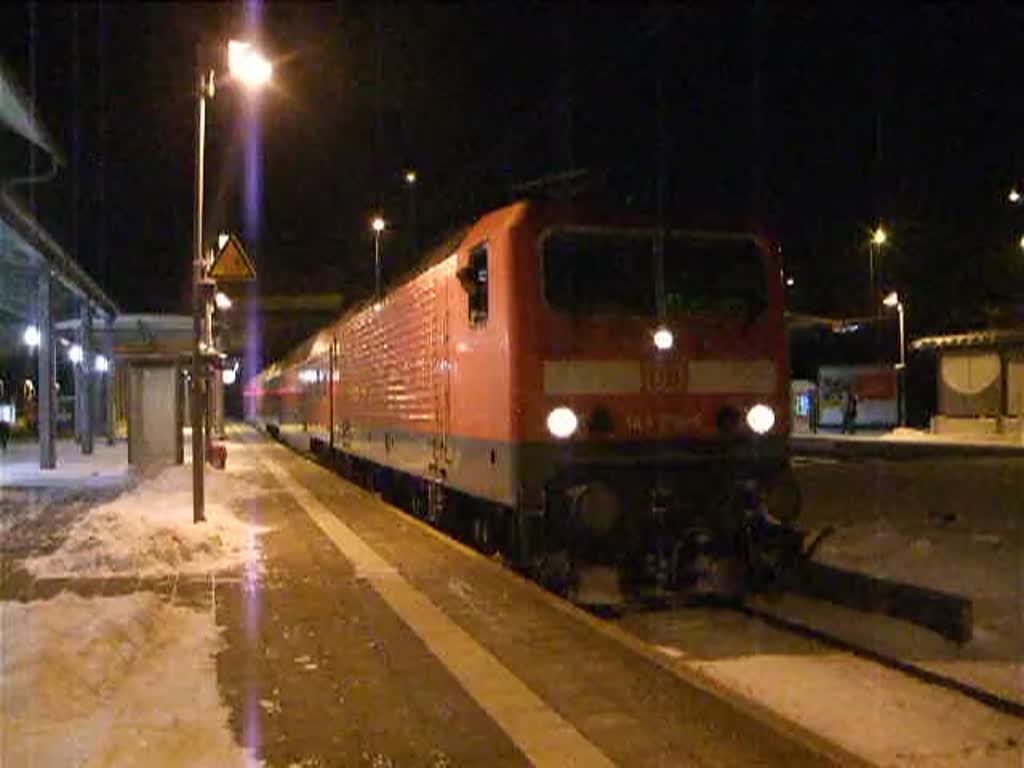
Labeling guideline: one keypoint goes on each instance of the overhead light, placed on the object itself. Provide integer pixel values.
(222, 300)
(378, 224)
(880, 236)
(228, 376)
(247, 65)
(75, 353)
(31, 336)
(892, 300)
(101, 364)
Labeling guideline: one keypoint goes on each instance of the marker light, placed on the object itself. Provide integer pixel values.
(101, 364)
(761, 418)
(75, 354)
(562, 422)
(663, 339)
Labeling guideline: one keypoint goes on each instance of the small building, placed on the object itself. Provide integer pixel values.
(980, 381)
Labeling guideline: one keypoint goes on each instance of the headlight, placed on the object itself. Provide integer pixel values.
(761, 418)
(663, 339)
(562, 422)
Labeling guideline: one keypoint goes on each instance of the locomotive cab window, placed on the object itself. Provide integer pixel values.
(474, 280)
(613, 272)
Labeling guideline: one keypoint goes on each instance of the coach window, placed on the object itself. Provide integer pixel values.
(473, 278)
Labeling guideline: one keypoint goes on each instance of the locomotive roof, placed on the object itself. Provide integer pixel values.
(318, 341)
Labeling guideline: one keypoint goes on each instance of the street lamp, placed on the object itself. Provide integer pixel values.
(893, 300)
(1014, 196)
(223, 301)
(31, 336)
(378, 225)
(410, 183)
(879, 237)
(250, 68)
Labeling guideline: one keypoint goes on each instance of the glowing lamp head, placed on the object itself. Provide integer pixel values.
(562, 422)
(761, 418)
(892, 300)
(247, 65)
(663, 339)
(228, 376)
(378, 224)
(75, 354)
(31, 336)
(222, 300)
(101, 364)
(879, 236)
(410, 177)
(1014, 196)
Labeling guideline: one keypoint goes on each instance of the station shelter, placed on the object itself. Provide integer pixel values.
(980, 381)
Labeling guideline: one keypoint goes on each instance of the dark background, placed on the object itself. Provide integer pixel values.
(814, 121)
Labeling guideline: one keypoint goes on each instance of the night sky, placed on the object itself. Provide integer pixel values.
(816, 123)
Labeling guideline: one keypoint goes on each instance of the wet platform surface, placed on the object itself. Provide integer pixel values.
(361, 637)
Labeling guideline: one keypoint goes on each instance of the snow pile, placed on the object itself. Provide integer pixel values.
(149, 531)
(113, 681)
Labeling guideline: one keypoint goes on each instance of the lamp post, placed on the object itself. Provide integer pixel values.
(250, 68)
(411, 178)
(893, 300)
(879, 237)
(378, 225)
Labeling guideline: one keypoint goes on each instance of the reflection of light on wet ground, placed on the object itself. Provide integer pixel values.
(250, 625)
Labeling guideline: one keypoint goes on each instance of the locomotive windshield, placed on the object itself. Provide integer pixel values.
(614, 272)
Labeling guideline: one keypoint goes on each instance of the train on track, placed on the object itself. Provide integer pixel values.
(601, 400)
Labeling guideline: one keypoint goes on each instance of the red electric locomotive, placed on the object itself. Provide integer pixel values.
(604, 401)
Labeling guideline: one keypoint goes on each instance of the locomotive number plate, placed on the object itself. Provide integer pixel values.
(668, 377)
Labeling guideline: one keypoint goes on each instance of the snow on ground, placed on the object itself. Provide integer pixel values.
(950, 525)
(106, 465)
(148, 531)
(111, 681)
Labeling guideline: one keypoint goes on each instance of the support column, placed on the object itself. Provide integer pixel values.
(110, 382)
(46, 416)
(86, 379)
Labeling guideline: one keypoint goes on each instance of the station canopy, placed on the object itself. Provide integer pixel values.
(26, 248)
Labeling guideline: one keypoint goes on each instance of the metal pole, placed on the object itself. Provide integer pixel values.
(903, 369)
(110, 383)
(376, 260)
(196, 395)
(87, 366)
(208, 368)
(46, 394)
(903, 346)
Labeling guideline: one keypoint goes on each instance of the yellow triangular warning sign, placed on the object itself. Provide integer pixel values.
(231, 263)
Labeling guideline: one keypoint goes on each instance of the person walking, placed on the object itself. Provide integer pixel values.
(849, 411)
